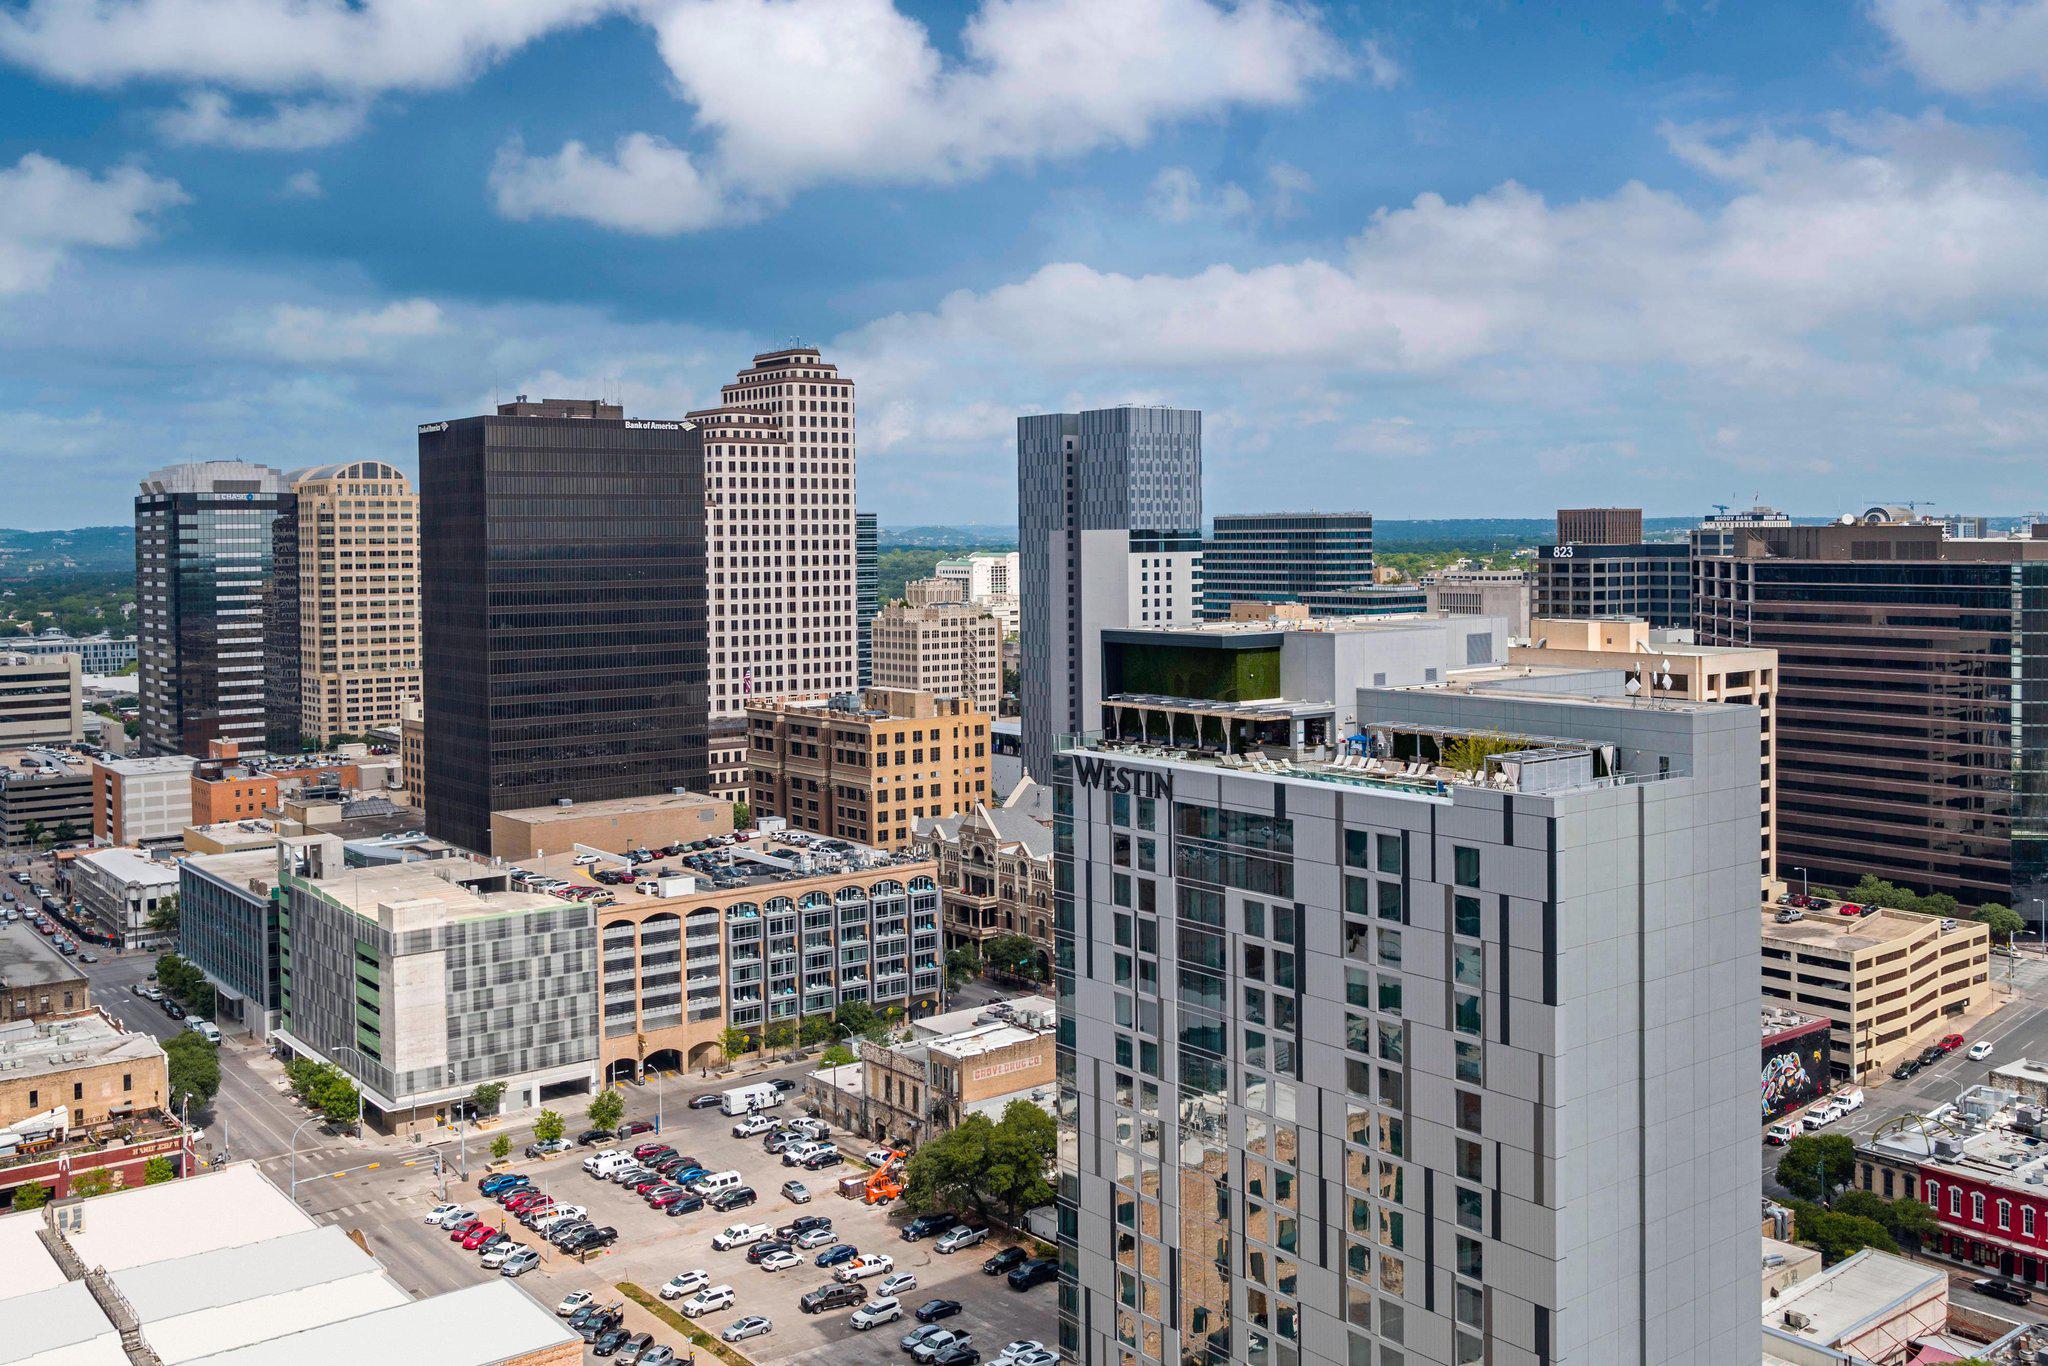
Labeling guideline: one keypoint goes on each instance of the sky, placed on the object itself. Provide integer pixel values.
(1432, 259)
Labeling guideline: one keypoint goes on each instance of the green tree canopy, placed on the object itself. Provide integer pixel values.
(857, 1017)
(814, 1030)
(325, 1088)
(2003, 921)
(158, 1170)
(193, 1065)
(734, 1041)
(487, 1097)
(1013, 954)
(607, 1108)
(1838, 1234)
(97, 1181)
(1815, 1166)
(781, 1034)
(33, 1195)
(548, 1126)
(986, 1165)
(838, 1055)
(501, 1146)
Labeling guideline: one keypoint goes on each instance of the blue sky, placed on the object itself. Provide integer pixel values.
(1442, 259)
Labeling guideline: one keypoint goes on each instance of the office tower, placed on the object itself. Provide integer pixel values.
(1910, 668)
(1480, 592)
(988, 580)
(867, 767)
(1599, 526)
(563, 567)
(205, 577)
(867, 595)
(779, 528)
(1717, 532)
(1376, 1054)
(98, 654)
(1651, 581)
(1284, 557)
(41, 701)
(1110, 511)
(352, 647)
(945, 647)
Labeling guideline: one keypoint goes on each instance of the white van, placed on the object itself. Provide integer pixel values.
(742, 1100)
(718, 1183)
(205, 1029)
(607, 1164)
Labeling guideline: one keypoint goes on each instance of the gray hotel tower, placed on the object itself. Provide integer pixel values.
(1366, 1071)
(1110, 534)
(563, 611)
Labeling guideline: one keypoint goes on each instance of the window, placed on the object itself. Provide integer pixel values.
(1465, 916)
(1468, 1111)
(1955, 1202)
(2005, 1214)
(1976, 1207)
(1466, 861)
(1389, 847)
(2027, 1221)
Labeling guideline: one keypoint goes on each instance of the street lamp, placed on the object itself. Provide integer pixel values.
(295, 1153)
(1803, 890)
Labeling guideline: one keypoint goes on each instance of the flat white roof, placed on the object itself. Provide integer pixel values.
(229, 1207)
(1855, 1295)
(60, 1326)
(986, 1039)
(26, 1266)
(477, 1326)
(130, 865)
(232, 1275)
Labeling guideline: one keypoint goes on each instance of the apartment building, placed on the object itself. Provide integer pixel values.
(791, 929)
(1888, 983)
(780, 524)
(1419, 1067)
(205, 599)
(540, 684)
(423, 980)
(867, 592)
(142, 801)
(867, 767)
(995, 871)
(949, 648)
(1284, 557)
(988, 579)
(1110, 505)
(352, 638)
(1654, 670)
(1906, 745)
(923, 1088)
(40, 699)
(101, 654)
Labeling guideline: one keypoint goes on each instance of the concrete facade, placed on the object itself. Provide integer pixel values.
(120, 888)
(142, 801)
(1419, 1070)
(614, 826)
(41, 701)
(918, 1090)
(946, 648)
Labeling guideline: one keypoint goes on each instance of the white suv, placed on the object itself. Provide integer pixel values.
(875, 1313)
(708, 1301)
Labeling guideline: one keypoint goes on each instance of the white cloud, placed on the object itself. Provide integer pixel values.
(208, 118)
(1178, 196)
(297, 332)
(791, 94)
(1970, 47)
(646, 185)
(360, 46)
(302, 185)
(52, 208)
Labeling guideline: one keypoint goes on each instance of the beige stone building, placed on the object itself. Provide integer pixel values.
(359, 597)
(412, 753)
(35, 981)
(918, 1090)
(779, 529)
(626, 823)
(869, 769)
(995, 871)
(1888, 983)
(85, 1064)
(940, 647)
(1693, 673)
(40, 699)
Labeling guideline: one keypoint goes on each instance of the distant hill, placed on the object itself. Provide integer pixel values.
(973, 536)
(86, 549)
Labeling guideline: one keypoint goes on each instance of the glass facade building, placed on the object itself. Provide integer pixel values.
(1651, 581)
(1286, 557)
(867, 597)
(563, 612)
(228, 929)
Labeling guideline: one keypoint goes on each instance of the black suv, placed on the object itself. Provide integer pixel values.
(1009, 1259)
(835, 1296)
(1036, 1272)
(928, 1225)
(592, 1239)
(736, 1198)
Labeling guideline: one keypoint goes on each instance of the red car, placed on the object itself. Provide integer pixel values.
(474, 1239)
(1849, 908)
(1951, 1042)
(524, 1201)
(636, 1126)
(463, 1230)
(647, 1150)
(651, 1183)
(663, 1199)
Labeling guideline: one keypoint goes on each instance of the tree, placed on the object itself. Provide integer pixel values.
(501, 1147)
(158, 1170)
(325, 1088)
(742, 815)
(1907, 1220)
(193, 1065)
(65, 833)
(2003, 921)
(164, 915)
(34, 1195)
(962, 965)
(1836, 1234)
(856, 1017)
(815, 1030)
(838, 1055)
(548, 1126)
(1815, 1166)
(33, 832)
(1013, 955)
(733, 1041)
(486, 1098)
(87, 1184)
(781, 1035)
(1020, 1152)
(945, 1174)
(986, 1164)
(607, 1108)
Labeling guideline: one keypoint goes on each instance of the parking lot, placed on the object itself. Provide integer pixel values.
(652, 1247)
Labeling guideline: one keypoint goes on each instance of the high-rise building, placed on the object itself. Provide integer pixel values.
(1648, 580)
(1910, 671)
(946, 648)
(205, 587)
(40, 699)
(867, 767)
(988, 580)
(1481, 592)
(353, 644)
(1367, 1056)
(779, 526)
(563, 567)
(1110, 512)
(867, 590)
(1716, 533)
(1284, 557)
(1599, 526)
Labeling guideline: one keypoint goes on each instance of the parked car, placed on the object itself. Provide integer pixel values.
(928, 1226)
(709, 1300)
(689, 1202)
(782, 1084)
(573, 1301)
(1906, 1069)
(763, 1248)
(752, 1326)
(957, 1354)
(931, 1311)
(834, 1296)
(657, 1355)
(474, 1239)
(1778, 1135)
(901, 1283)
(647, 1152)
(522, 1260)
(707, 1101)
(1021, 1347)
(1949, 1043)
(738, 1235)
(1009, 1259)
(929, 1349)
(737, 1198)
(796, 1192)
(1998, 1289)
(860, 1268)
(780, 1260)
(590, 1138)
(1980, 1050)
(685, 1283)
(500, 1254)
(497, 1181)
(813, 1238)
(803, 1223)
(962, 1236)
(1932, 1054)
(1038, 1271)
(631, 1349)
(875, 1313)
(636, 1126)
(836, 1256)
(750, 1125)
(548, 1147)
(440, 1212)
(822, 1158)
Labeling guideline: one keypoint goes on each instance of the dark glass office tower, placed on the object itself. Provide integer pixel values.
(205, 584)
(1285, 557)
(285, 734)
(563, 611)
(867, 598)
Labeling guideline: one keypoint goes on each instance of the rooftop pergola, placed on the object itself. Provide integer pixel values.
(1218, 727)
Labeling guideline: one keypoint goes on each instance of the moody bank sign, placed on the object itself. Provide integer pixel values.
(1102, 776)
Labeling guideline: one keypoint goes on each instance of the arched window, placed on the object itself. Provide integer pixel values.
(1934, 1196)
(814, 900)
(2005, 1214)
(1976, 1207)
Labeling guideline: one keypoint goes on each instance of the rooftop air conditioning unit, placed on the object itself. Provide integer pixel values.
(1797, 1321)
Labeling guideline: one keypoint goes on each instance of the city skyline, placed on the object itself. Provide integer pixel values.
(1802, 245)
